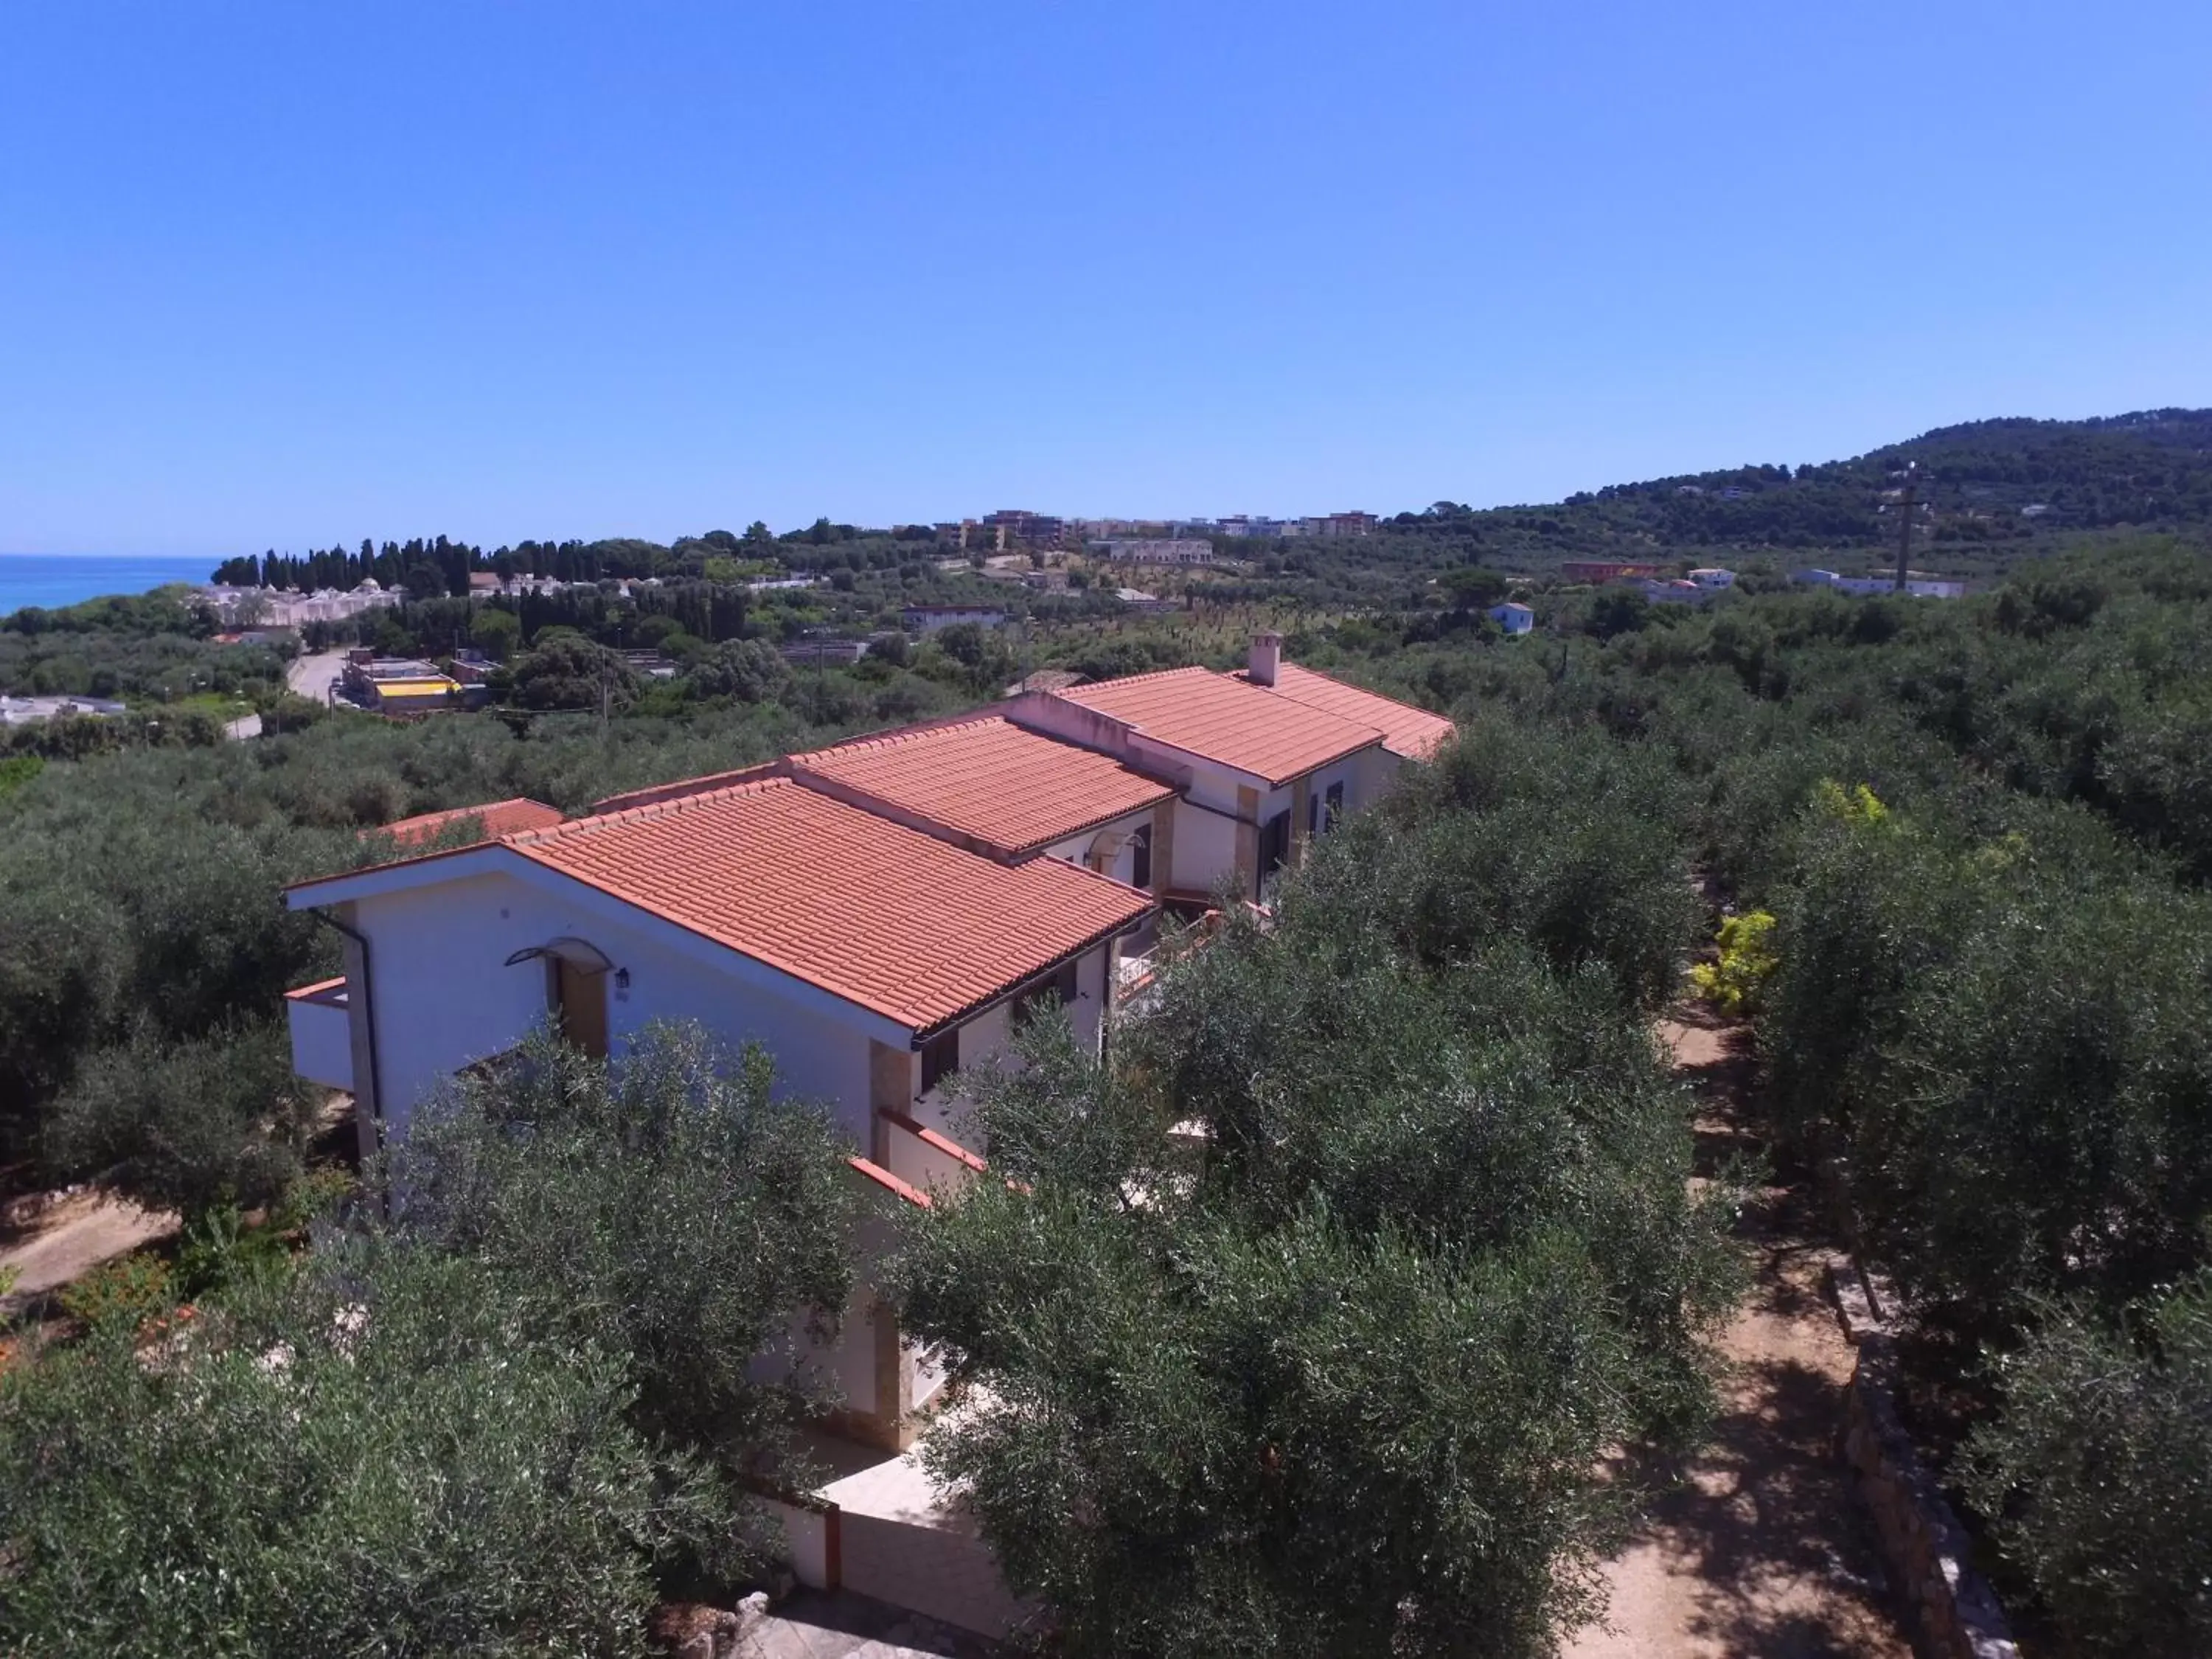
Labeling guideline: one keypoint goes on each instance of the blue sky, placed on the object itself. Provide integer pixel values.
(278, 275)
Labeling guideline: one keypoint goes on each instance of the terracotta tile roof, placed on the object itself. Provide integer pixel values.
(501, 817)
(884, 916)
(1223, 718)
(1413, 732)
(1007, 788)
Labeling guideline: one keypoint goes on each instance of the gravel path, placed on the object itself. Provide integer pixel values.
(1764, 1549)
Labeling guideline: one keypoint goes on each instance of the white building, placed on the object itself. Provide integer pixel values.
(1917, 583)
(284, 607)
(877, 916)
(30, 711)
(1711, 577)
(1156, 549)
(1513, 616)
(926, 619)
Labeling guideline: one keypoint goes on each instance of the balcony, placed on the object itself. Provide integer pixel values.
(322, 1034)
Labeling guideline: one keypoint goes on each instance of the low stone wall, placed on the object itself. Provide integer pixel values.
(1956, 1612)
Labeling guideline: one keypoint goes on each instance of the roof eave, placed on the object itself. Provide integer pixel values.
(319, 890)
(1013, 987)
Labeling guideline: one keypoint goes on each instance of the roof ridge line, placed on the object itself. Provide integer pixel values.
(902, 733)
(643, 812)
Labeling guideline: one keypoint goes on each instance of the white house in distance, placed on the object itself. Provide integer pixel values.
(926, 619)
(1155, 549)
(1917, 583)
(877, 916)
(1513, 616)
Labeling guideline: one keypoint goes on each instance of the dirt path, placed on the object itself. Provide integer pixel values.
(1763, 1551)
(53, 1243)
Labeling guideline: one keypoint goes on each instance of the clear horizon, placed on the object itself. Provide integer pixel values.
(284, 278)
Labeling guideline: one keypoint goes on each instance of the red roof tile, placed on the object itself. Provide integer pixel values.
(988, 778)
(1412, 732)
(1223, 718)
(501, 817)
(884, 916)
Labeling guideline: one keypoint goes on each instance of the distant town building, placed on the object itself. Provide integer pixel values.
(1713, 578)
(282, 607)
(397, 685)
(1340, 524)
(1513, 616)
(1013, 527)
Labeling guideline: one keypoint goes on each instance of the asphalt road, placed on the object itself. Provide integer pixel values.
(313, 675)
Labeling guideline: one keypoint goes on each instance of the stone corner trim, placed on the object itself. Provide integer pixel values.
(1956, 1612)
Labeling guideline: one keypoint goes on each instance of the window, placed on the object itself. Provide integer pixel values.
(1324, 812)
(1274, 850)
(940, 1058)
(1140, 844)
(1033, 1000)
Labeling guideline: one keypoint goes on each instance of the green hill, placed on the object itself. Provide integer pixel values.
(1988, 482)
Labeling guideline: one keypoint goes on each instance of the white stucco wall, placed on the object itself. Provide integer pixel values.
(1076, 849)
(1376, 770)
(987, 1040)
(443, 997)
(1205, 848)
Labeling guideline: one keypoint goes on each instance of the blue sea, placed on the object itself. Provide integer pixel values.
(53, 579)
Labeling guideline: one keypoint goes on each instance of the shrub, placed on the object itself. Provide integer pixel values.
(1736, 982)
(188, 1126)
(126, 1291)
(2098, 1476)
(368, 1457)
(671, 1206)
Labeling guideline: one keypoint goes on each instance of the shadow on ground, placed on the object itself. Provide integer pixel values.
(1760, 1548)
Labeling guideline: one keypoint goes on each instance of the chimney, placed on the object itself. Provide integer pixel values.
(1266, 656)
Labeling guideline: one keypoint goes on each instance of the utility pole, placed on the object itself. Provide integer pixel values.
(1904, 521)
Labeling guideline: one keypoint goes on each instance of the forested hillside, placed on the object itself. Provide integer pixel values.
(1988, 480)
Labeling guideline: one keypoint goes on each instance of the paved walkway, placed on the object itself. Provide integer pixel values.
(815, 1625)
(1763, 1551)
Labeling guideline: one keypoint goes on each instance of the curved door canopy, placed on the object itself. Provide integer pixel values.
(576, 990)
(581, 954)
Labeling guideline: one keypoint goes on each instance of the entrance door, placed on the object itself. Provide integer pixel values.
(579, 1002)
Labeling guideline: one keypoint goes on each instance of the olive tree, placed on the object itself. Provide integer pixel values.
(669, 1202)
(1306, 1326)
(2099, 1475)
(374, 1456)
